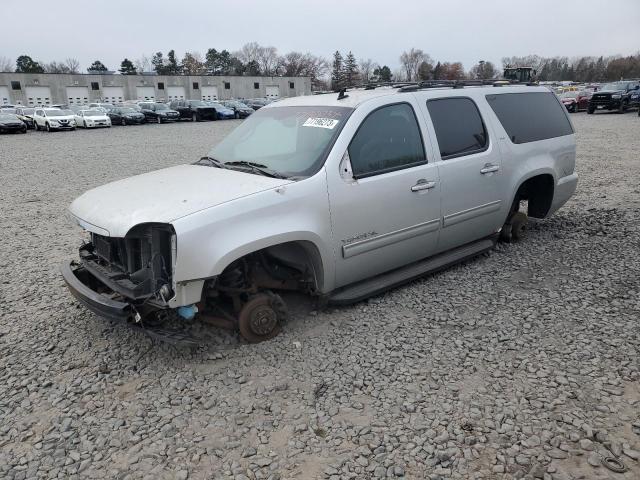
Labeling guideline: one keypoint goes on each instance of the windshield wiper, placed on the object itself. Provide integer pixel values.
(257, 167)
(210, 161)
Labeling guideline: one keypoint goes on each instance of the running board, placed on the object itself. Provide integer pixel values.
(380, 283)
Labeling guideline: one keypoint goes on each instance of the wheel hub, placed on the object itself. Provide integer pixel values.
(263, 319)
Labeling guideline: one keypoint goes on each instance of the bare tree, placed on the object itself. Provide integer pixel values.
(143, 64)
(193, 64)
(72, 64)
(367, 66)
(6, 64)
(248, 53)
(411, 61)
(268, 60)
(297, 64)
(56, 67)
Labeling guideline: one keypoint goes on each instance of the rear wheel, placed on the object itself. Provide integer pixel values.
(47, 126)
(622, 107)
(261, 317)
(519, 223)
(590, 110)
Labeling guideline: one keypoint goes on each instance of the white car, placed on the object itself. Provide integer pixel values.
(50, 119)
(92, 119)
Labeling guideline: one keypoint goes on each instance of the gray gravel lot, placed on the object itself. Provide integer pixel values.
(520, 364)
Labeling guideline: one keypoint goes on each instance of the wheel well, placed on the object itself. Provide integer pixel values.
(538, 192)
(293, 265)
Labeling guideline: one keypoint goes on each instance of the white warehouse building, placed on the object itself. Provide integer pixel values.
(33, 89)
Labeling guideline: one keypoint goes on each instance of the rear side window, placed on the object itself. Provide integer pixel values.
(531, 116)
(458, 125)
(388, 139)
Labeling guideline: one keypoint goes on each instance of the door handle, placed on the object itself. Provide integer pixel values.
(488, 168)
(423, 184)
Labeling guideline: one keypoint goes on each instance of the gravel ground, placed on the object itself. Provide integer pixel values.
(520, 364)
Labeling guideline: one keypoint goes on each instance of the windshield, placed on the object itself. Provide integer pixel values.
(197, 103)
(614, 87)
(58, 113)
(28, 111)
(92, 113)
(8, 110)
(161, 106)
(127, 110)
(217, 105)
(293, 141)
(5, 117)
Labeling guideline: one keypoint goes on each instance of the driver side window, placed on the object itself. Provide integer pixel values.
(388, 139)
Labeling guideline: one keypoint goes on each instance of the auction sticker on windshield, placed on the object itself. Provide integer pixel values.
(329, 123)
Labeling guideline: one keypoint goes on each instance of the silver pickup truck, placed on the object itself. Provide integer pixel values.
(340, 196)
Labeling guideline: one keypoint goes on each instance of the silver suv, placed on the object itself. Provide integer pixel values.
(341, 196)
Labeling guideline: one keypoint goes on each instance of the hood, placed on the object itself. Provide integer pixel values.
(163, 196)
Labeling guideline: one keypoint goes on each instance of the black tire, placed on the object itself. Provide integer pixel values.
(123, 122)
(261, 317)
(194, 117)
(622, 107)
(84, 124)
(519, 223)
(575, 107)
(24, 131)
(36, 127)
(159, 120)
(237, 115)
(590, 110)
(47, 127)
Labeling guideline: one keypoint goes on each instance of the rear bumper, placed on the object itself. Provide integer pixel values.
(565, 188)
(80, 282)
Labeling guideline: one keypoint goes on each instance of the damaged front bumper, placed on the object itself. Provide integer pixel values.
(86, 289)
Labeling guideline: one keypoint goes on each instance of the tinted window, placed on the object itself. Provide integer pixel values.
(532, 116)
(388, 139)
(458, 125)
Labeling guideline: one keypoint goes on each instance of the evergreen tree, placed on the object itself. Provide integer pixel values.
(159, 64)
(97, 66)
(173, 67)
(127, 67)
(437, 71)
(382, 74)
(351, 74)
(337, 72)
(25, 64)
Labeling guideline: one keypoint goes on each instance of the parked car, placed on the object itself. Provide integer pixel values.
(291, 201)
(125, 116)
(7, 106)
(240, 109)
(194, 110)
(613, 96)
(51, 119)
(11, 123)
(158, 112)
(634, 99)
(256, 103)
(26, 115)
(222, 112)
(92, 119)
(574, 101)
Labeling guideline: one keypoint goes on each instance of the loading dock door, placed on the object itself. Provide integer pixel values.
(38, 96)
(175, 93)
(77, 95)
(146, 94)
(4, 96)
(113, 95)
(272, 91)
(209, 93)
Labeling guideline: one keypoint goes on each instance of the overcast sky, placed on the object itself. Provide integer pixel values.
(449, 30)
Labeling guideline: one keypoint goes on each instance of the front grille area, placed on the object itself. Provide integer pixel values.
(135, 266)
(600, 99)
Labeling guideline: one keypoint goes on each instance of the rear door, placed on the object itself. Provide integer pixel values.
(385, 214)
(469, 165)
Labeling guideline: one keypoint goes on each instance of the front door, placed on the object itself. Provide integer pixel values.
(385, 201)
(470, 172)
